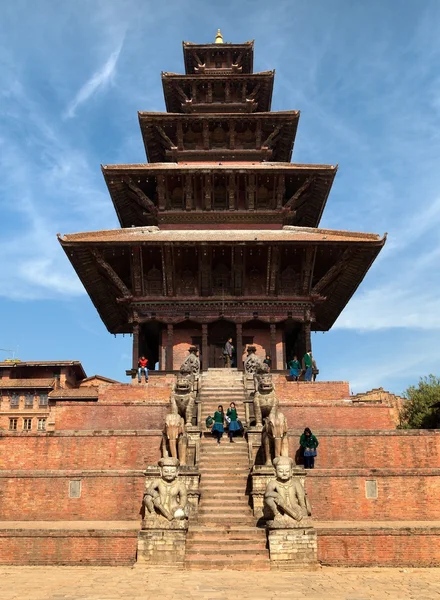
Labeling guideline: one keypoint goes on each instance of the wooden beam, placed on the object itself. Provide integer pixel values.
(268, 141)
(237, 269)
(251, 189)
(208, 191)
(135, 349)
(161, 192)
(298, 197)
(333, 272)
(171, 145)
(110, 272)
(141, 198)
(307, 270)
(232, 191)
(274, 269)
(281, 190)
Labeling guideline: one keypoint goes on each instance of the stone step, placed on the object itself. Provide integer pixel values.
(224, 547)
(226, 552)
(230, 564)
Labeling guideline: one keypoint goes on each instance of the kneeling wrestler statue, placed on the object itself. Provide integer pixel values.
(167, 496)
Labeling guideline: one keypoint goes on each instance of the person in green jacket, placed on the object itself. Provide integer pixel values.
(218, 427)
(308, 443)
(294, 367)
(233, 424)
(308, 366)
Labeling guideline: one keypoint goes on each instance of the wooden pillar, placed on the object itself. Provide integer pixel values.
(231, 134)
(161, 192)
(307, 333)
(205, 349)
(258, 135)
(135, 351)
(169, 351)
(194, 91)
(205, 135)
(239, 345)
(209, 92)
(273, 344)
(228, 91)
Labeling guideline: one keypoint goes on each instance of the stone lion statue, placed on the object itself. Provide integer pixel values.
(265, 398)
(183, 397)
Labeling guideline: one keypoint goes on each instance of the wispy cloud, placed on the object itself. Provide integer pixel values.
(102, 77)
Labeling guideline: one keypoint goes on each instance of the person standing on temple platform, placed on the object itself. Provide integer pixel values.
(233, 424)
(307, 366)
(308, 443)
(227, 353)
(268, 361)
(315, 370)
(294, 368)
(143, 368)
(218, 427)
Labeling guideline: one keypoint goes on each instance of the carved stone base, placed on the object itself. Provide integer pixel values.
(293, 548)
(162, 546)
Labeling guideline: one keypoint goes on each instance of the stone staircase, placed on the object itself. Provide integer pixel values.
(224, 536)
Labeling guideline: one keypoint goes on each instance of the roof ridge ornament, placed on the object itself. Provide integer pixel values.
(218, 37)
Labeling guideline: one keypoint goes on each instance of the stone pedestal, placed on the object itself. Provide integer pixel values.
(162, 544)
(293, 548)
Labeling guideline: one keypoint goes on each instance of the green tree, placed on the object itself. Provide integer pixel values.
(418, 411)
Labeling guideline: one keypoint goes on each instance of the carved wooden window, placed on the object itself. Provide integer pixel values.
(14, 400)
(219, 138)
(218, 92)
(176, 198)
(153, 282)
(263, 198)
(29, 400)
(255, 282)
(220, 197)
(43, 399)
(221, 279)
(186, 283)
(191, 139)
(13, 424)
(289, 281)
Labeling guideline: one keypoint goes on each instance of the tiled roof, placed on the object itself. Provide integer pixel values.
(72, 393)
(226, 166)
(156, 235)
(26, 383)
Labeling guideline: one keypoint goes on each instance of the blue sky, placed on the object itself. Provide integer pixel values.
(366, 78)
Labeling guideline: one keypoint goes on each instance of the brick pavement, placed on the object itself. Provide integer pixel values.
(138, 583)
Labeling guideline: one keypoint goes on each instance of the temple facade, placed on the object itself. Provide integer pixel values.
(219, 230)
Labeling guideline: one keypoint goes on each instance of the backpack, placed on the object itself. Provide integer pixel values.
(209, 421)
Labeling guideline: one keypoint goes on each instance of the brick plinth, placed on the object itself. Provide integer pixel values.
(319, 391)
(401, 546)
(84, 450)
(95, 416)
(67, 547)
(337, 416)
(103, 495)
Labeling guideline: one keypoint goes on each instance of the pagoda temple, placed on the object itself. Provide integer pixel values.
(219, 230)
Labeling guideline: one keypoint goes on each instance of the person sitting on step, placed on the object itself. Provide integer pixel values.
(143, 368)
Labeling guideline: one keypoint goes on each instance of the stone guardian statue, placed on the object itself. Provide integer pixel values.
(167, 497)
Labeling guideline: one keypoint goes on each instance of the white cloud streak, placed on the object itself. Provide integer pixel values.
(102, 77)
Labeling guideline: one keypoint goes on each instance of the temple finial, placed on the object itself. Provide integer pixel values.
(218, 37)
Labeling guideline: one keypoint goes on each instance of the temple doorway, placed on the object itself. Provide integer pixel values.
(218, 334)
(294, 340)
(149, 342)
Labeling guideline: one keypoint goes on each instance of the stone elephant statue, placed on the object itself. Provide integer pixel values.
(175, 438)
(274, 435)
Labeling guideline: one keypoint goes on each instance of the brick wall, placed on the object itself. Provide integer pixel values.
(374, 449)
(44, 496)
(411, 495)
(337, 416)
(80, 450)
(414, 547)
(67, 547)
(181, 342)
(96, 416)
(157, 390)
(319, 391)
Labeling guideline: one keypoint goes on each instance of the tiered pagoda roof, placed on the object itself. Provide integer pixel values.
(219, 195)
